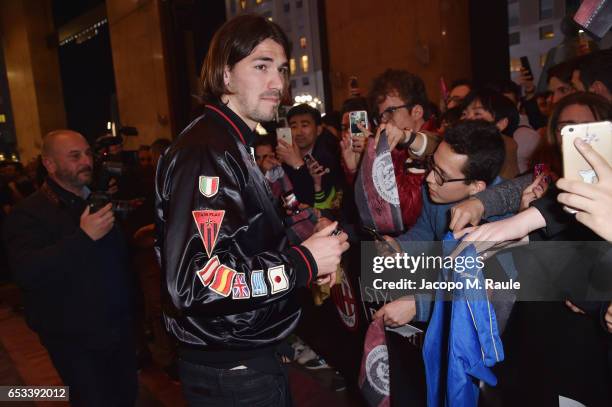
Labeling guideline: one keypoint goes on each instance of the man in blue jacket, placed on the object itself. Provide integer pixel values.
(465, 163)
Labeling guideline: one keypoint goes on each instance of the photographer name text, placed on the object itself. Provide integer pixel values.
(407, 284)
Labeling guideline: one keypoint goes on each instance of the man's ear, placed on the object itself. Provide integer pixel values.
(319, 129)
(226, 76)
(502, 124)
(477, 186)
(49, 164)
(417, 112)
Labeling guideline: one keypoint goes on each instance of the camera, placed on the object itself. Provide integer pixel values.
(121, 207)
(98, 200)
(110, 162)
(107, 162)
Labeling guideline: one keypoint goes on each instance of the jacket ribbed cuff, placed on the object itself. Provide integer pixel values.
(306, 267)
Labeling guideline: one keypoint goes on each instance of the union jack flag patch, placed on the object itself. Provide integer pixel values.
(240, 290)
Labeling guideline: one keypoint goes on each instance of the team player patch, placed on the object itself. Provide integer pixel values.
(209, 222)
(240, 289)
(278, 279)
(222, 284)
(258, 284)
(208, 272)
(209, 186)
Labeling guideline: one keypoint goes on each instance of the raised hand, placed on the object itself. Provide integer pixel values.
(97, 225)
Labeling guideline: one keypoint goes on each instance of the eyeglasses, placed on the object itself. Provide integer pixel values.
(440, 180)
(386, 114)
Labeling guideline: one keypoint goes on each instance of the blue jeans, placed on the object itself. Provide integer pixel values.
(211, 387)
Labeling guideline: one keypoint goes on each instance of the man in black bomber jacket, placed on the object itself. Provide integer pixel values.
(228, 269)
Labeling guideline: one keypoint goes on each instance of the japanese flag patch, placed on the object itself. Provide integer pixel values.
(278, 279)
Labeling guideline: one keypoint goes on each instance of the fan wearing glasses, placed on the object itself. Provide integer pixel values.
(400, 99)
(466, 162)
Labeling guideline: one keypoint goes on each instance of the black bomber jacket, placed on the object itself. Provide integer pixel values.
(228, 269)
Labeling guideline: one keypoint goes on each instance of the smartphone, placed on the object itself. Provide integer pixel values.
(358, 117)
(97, 201)
(525, 64)
(284, 133)
(575, 167)
(309, 159)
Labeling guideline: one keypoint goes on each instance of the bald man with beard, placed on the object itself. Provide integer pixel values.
(70, 263)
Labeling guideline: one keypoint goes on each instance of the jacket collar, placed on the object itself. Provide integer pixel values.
(243, 132)
(67, 197)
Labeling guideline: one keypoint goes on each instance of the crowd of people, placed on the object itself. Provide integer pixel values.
(248, 235)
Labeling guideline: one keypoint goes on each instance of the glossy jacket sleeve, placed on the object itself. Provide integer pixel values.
(246, 282)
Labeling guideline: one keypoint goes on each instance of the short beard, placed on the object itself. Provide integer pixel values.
(261, 117)
(71, 178)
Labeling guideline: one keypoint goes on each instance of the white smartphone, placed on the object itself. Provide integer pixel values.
(358, 117)
(284, 133)
(575, 167)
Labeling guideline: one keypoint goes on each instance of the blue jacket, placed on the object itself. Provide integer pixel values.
(431, 226)
(462, 340)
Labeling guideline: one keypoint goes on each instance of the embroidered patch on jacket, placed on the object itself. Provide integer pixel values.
(208, 271)
(278, 279)
(209, 186)
(258, 284)
(222, 283)
(208, 222)
(240, 289)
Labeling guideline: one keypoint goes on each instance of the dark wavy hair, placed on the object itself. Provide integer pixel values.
(233, 42)
(409, 87)
(498, 105)
(598, 105)
(564, 70)
(482, 142)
